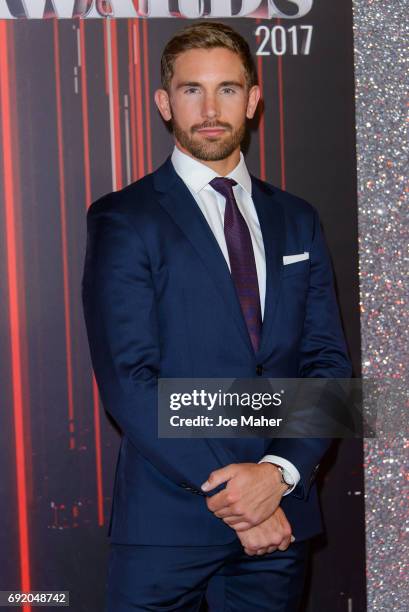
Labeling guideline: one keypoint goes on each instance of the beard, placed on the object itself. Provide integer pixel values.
(209, 148)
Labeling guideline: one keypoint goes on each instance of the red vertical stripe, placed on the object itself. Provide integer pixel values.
(14, 122)
(14, 309)
(262, 145)
(104, 27)
(116, 103)
(138, 100)
(281, 114)
(87, 178)
(131, 104)
(147, 93)
(84, 101)
(64, 244)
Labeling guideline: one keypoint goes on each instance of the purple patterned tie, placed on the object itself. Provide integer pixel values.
(242, 262)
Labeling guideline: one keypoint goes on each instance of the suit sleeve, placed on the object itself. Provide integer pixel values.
(322, 353)
(120, 313)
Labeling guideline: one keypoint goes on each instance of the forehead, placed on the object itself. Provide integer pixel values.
(208, 65)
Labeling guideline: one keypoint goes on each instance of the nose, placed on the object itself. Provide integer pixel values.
(210, 108)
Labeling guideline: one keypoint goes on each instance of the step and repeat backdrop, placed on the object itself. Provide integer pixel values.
(77, 120)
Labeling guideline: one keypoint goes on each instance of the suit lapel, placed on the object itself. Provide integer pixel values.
(272, 225)
(179, 203)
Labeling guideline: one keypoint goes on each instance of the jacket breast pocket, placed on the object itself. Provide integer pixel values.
(299, 267)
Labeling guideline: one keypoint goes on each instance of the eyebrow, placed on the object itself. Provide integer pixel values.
(222, 84)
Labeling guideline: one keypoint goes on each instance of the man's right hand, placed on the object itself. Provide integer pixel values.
(272, 534)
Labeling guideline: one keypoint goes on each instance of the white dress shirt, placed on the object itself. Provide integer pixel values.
(197, 177)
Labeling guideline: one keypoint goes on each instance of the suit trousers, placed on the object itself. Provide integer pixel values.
(153, 578)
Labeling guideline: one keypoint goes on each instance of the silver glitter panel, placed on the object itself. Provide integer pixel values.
(381, 32)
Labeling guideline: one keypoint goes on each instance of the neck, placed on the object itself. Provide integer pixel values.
(221, 166)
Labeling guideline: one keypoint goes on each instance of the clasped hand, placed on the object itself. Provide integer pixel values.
(250, 505)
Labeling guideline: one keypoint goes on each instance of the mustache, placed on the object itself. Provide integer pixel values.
(209, 124)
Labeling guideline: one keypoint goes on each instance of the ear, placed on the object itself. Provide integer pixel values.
(162, 102)
(253, 98)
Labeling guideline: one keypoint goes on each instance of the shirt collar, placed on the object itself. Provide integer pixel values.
(197, 175)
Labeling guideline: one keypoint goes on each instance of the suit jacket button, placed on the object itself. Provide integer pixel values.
(259, 369)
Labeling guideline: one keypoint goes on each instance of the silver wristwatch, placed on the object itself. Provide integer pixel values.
(283, 480)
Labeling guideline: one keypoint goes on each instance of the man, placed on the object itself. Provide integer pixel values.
(201, 270)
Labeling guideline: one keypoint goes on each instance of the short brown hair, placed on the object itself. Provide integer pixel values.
(206, 35)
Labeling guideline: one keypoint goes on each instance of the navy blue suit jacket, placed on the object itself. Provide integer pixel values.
(159, 301)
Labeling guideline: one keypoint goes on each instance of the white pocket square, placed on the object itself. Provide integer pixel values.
(290, 259)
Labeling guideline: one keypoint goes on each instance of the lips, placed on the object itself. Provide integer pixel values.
(211, 131)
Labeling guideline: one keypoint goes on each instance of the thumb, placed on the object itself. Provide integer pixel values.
(217, 477)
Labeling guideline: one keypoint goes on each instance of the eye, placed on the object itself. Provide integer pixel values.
(228, 90)
(191, 90)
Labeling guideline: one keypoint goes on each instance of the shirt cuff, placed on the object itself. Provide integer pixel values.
(290, 472)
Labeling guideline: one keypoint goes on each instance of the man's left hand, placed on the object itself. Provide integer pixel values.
(252, 494)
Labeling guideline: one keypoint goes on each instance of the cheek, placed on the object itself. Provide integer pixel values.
(234, 109)
(186, 113)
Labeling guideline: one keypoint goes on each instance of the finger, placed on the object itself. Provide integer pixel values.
(262, 551)
(284, 544)
(271, 549)
(240, 526)
(218, 503)
(249, 552)
(232, 519)
(217, 477)
(226, 515)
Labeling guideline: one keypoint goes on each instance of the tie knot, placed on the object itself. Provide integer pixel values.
(223, 185)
